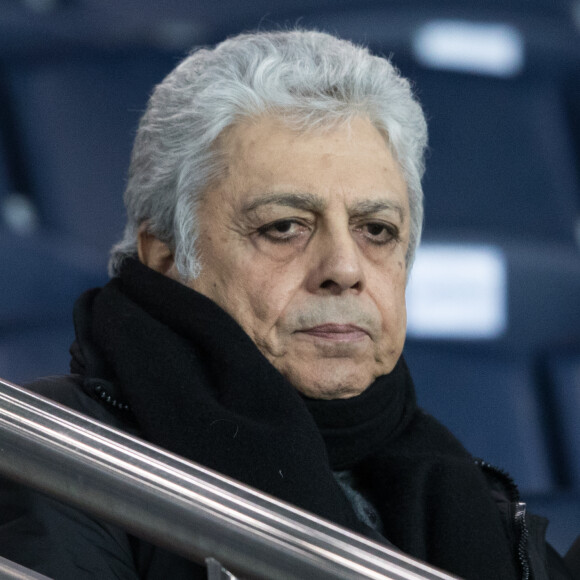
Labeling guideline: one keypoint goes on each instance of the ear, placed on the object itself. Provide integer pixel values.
(154, 253)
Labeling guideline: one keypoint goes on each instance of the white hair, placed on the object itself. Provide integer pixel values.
(310, 79)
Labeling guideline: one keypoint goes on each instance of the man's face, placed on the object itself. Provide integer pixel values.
(303, 242)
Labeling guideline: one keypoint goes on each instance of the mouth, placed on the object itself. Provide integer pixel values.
(337, 332)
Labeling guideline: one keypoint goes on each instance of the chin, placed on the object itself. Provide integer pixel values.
(328, 378)
(336, 388)
(331, 392)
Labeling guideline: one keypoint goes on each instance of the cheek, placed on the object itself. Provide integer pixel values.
(264, 291)
(390, 299)
(261, 308)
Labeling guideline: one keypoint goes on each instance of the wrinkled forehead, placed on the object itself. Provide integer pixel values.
(271, 142)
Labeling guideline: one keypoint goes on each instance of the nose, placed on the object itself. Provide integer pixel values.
(335, 265)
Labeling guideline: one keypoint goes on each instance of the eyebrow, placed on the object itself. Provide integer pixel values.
(305, 201)
(369, 207)
(311, 202)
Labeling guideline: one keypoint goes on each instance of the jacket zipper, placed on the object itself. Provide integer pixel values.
(519, 514)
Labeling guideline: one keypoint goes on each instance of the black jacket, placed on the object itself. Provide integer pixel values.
(59, 541)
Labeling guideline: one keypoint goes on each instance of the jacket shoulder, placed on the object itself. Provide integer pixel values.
(75, 392)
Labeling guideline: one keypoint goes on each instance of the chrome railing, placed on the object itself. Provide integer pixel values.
(11, 571)
(179, 505)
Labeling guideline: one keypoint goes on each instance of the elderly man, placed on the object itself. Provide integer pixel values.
(256, 317)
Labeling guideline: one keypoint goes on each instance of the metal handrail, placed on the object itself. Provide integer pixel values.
(12, 571)
(179, 505)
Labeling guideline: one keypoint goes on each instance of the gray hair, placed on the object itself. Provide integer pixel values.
(310, 79)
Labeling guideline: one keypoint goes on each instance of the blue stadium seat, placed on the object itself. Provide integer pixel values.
(78, 114)
(488, 389)
(563, 511)
(5, 184)
(27, 353)
(488, 400)
(42, 276)
(564, 378)
(502, 159)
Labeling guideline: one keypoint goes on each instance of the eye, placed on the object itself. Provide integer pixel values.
(380, 233)
(282, 230)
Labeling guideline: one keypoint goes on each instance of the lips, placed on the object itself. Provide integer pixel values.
(337, 332)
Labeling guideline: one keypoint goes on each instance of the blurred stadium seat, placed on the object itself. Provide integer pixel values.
(563, 512)
(30, 352)
(41, 278)
(489, 401)
(77, 118)
(502, 160)
(6, 186)
(564, 377)
(485, 386)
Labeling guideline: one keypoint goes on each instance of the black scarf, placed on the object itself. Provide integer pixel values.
(198, 386)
